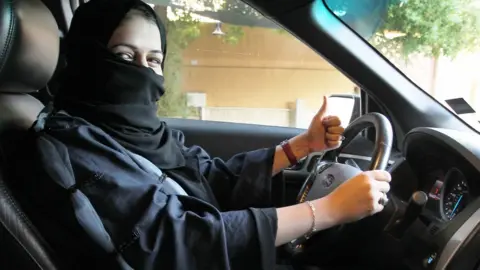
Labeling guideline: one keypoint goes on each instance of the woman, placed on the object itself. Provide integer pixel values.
(111, 186)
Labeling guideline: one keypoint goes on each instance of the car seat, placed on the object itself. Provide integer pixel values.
(29, 47)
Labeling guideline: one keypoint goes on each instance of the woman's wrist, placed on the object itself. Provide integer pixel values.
(325, 216)
(288, 155)
(296, 220)
(300, 146)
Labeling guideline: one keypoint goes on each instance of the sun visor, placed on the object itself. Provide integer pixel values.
(365, 17)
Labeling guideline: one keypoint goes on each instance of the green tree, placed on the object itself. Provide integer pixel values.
(180, 33)
(429, 27)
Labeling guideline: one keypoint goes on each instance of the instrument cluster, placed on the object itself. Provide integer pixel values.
(450, 194)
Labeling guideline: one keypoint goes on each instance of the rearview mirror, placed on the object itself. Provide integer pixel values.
(365, 17)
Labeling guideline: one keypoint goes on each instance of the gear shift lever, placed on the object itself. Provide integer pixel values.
(412, 212)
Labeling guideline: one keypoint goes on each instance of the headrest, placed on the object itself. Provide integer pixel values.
(29, 45)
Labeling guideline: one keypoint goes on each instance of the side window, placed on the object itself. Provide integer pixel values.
(226, 62)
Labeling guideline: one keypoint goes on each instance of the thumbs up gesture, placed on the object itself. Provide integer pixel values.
(325, 132)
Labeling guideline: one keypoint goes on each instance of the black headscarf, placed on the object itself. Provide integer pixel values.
(118, 96)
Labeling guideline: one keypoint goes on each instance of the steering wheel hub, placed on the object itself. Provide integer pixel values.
(328, 178)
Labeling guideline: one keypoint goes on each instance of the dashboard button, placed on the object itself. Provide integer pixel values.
(428, 261)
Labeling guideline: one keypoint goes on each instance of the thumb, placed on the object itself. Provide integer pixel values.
(323, 109)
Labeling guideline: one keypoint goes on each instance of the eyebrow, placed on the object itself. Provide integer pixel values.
(134, 48)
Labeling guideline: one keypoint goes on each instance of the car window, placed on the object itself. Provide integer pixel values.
(226, 62)
(435, 43)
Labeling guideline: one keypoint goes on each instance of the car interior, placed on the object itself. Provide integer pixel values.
(433, 156)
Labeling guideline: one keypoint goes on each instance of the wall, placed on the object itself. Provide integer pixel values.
(266, 69)
(459, 77)
(259, 116)
(272, 70)
(447, 78)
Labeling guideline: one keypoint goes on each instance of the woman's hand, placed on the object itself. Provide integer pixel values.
(325, 132)
(356, 198)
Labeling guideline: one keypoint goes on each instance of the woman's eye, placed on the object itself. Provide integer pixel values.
(125, 56)
(155, 61)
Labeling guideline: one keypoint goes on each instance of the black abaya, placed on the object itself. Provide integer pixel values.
(99, 209)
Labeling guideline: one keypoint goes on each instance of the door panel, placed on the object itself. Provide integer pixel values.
(224, 140)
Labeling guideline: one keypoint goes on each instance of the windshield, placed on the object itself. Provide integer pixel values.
(436, 43)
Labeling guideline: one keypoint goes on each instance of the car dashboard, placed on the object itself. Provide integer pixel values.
(443, 172)
(445, 164)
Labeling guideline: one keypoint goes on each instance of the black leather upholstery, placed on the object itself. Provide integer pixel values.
(29, 40)
(28, 57)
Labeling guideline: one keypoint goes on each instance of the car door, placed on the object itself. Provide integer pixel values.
(222, 139)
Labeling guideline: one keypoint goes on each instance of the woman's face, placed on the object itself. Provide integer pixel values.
(138, 40)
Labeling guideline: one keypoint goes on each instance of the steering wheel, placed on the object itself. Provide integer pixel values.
(327, 174)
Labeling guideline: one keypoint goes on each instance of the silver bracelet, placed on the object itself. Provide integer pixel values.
(313, 229)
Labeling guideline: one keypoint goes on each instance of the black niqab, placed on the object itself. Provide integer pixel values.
(118, 96)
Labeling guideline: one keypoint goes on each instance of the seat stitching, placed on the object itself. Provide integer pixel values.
(22, 217)
(10, 35)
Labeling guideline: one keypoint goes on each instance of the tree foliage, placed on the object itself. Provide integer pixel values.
(429, 27)
(180, 33)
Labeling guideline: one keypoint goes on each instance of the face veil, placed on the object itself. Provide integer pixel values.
(115, 95)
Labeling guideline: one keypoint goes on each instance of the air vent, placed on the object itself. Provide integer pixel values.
(433, 230)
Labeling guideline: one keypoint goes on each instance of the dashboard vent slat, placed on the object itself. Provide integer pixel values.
(433, 230)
